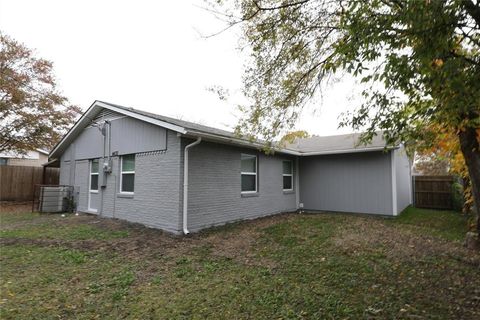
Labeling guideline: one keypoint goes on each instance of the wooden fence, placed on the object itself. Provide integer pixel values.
(17, 183)
(434, 192)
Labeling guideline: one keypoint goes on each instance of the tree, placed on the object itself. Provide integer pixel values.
(431, 164)
(419, 61)
(33, 114)
(444, 148)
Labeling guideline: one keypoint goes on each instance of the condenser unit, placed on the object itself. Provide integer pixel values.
(54, 199)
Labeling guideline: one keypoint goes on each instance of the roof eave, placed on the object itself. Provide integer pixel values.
(84, 119)
(236, 141)
(343, 151)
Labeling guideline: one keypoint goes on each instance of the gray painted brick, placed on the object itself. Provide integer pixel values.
(215, 186)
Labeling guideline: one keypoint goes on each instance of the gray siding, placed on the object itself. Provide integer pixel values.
(128, 136)
(403, 179)
(88, 145)
(355, 182)
(65, 173)
(215, 186)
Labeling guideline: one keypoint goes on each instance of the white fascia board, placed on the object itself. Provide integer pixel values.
(96, 105)
(319, 153)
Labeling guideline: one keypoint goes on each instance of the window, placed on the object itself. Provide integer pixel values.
(127, 175)
(94, 175)
(249, 173)
(287, 174)
(3, 161)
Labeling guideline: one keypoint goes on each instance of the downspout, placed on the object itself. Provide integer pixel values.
(185, 184)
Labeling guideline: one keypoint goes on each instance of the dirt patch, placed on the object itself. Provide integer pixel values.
(237, 243)
(142, 243)
(15, 206)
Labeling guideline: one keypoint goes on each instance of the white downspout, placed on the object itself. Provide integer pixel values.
(185, 184)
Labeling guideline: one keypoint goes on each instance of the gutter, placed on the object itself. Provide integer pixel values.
(319, 153)
(185, 184)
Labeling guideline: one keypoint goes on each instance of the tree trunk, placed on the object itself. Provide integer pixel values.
(471, 152)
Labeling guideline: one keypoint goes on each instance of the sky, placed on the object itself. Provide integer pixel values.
(151, 55)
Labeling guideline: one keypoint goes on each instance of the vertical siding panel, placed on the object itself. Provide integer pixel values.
(356, 182)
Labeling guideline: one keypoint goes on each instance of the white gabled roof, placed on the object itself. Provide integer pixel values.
(301, 147)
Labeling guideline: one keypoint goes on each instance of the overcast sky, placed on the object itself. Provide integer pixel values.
(149, 55)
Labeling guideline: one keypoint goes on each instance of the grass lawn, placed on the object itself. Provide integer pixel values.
(291, 266)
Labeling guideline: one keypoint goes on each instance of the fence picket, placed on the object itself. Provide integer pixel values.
(434, 192)
(17, 182)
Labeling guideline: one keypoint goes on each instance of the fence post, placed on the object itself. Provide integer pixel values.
(413, 191)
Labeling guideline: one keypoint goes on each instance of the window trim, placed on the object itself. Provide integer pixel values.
(126, 172)
(93, 174)
(288, 175)
(249, 173)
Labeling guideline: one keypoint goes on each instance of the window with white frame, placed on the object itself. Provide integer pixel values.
(94, 175)
(249, 173)
(287, 174)
(127, 174)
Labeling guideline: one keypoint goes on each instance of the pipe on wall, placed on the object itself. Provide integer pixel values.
(185, 184)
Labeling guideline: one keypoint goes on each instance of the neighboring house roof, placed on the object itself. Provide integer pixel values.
(314, 145)
(29, 155)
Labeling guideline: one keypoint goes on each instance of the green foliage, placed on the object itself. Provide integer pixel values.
(62, 231)
(419, 60)
(451, 225)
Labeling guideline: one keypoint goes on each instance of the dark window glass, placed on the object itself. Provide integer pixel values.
(249, 182)
(287, 182)
(128, 180)
(94, 182)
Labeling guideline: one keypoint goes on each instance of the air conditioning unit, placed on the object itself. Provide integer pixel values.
(54, 199)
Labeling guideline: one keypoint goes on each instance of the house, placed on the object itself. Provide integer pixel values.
(182, 177)
(32, 158)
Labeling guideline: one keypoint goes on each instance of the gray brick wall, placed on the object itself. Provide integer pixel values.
(157, 199)
(81, 184)
(155, 202)
(215, 186)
